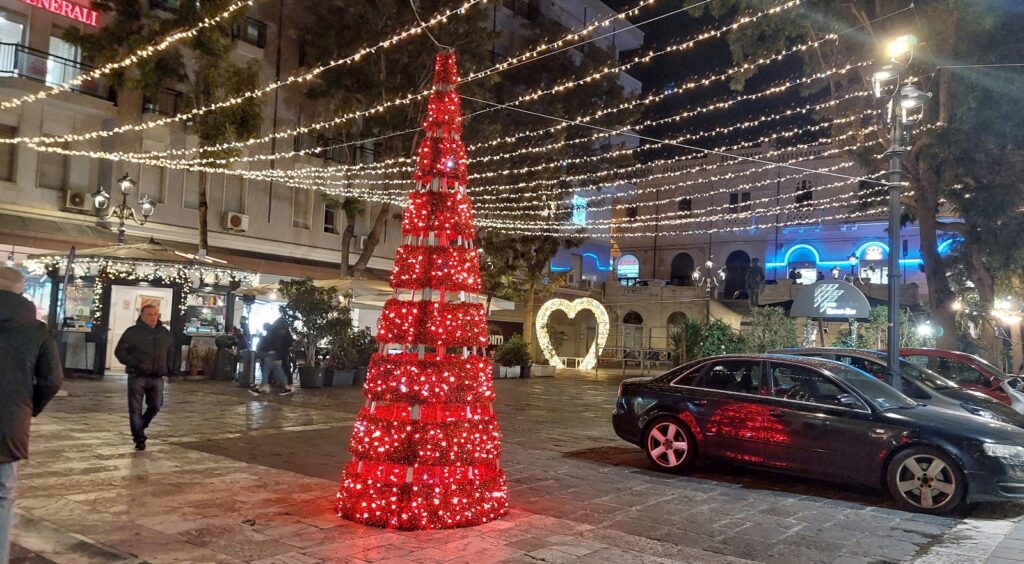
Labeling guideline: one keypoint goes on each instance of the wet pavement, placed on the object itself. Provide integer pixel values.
(229, 477)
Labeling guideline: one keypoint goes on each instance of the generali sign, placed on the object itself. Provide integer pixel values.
(67, 9)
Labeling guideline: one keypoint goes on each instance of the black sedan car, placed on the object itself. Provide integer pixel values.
(822, 419)
(918, 382)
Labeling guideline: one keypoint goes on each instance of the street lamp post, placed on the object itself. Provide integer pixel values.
(853, 262)
(124, 212)
(904, 107)
(709, 279)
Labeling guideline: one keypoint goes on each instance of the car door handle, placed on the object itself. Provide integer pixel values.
(699, 402)
(777, 413)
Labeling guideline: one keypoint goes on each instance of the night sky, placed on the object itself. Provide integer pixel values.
(708, 57)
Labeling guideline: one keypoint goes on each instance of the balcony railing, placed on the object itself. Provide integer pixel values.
(167, 102)
(19, 60)
(320, 146)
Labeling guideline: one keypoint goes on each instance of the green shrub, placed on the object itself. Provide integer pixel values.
(513, 352)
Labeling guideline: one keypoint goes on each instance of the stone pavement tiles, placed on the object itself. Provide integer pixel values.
(232, 478)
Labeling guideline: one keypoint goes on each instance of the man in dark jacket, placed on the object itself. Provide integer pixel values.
(30, 375)
(145, 349)
(274, 348)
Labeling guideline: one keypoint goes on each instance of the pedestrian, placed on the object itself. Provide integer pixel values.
(244, 326)
(30, 376)
(754, 280)
(145, 351)
(273, 349)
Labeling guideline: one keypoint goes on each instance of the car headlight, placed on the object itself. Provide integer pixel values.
(1011, 452)
(978, 411)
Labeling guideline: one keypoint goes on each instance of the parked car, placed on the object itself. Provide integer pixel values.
(822, 419)
(919, 383)
(969, 371)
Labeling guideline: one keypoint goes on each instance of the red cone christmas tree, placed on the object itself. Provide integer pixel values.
(426, 445)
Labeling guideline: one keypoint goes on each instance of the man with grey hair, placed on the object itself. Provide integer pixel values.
(30, 375)
(145, 351)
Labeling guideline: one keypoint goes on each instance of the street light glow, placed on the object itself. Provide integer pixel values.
(902, 45)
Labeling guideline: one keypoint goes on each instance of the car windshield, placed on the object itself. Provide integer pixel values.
(926, 377)
(877, 392)
(989, 367)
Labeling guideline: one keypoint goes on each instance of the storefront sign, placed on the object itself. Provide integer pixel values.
(831, 299)
(68, 9)
(628, 266)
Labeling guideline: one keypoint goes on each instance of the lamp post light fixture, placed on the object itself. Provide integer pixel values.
(709, 280)
(904, 107)
(853, 263)
(124, 212)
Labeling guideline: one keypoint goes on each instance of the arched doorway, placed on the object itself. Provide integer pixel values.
(736, 266)
(632, 330)
(682, 270)
(676, 319)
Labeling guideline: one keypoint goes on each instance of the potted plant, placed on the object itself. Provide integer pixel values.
(194, 360)
(512, 355)
(542, 368)
(350, 355)
(315, 316)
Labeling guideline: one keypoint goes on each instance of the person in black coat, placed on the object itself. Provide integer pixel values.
(145, 349)
(30, 375)
(273, 349)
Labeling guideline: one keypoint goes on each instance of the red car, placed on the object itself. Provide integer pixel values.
(965, 369)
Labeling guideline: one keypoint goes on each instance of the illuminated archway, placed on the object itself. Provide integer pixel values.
(571, 309)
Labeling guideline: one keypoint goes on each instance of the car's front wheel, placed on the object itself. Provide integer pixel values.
(926, 480)
(669, 445)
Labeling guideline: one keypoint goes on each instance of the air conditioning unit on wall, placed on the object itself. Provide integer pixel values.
(77, 201)
(236, 222)
(357, 243)
(571, 280)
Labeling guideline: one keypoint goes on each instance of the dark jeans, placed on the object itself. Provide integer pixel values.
(152, 388)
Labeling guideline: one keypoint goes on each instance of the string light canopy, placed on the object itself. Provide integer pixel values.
(426, 447)
(135, 57)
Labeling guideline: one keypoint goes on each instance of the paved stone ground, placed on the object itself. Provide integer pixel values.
(228, 477)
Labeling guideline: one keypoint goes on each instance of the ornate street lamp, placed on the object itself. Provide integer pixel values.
(904, 107)
(709, 279)
(124, 212)
(853, 262)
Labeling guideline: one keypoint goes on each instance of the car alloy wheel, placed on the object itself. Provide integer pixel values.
(926, 480)
(669, 445)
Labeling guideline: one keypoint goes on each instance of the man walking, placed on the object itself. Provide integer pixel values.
(274, 347)
(754, 281)
(145, 351)
(30, 375)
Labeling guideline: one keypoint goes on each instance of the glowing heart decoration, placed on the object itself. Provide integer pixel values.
(571, 309)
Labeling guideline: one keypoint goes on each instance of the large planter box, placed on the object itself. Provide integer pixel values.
(542, 370)
(329, 377)
(359, 376)
(509, 371)
(311, 376)
(343, 378)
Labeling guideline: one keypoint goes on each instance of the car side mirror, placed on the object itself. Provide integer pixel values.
(847, 400)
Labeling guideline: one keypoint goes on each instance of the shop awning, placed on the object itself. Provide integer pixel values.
(363, 291)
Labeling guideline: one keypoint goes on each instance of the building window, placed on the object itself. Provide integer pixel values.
(152, 181)
(165, 5)
(234, 194)
(7, 152)
(579, 211)
(685, 205)
(64, 62)
(53, 169)
(190, 191)
(330, 220)
(632, 211)
(739, 202)
(251, 31)
(804, 193)
(300, 208)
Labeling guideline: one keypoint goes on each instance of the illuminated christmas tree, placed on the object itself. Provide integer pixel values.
(426, 445)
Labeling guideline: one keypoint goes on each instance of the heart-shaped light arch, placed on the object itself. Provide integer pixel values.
(571, 309)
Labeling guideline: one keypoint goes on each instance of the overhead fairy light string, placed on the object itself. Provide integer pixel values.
(133, 58)
(307, 76)
(408, 98)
